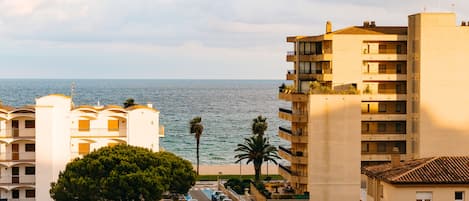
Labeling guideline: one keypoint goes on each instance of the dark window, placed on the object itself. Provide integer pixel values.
(382, 49)
(382, 68)
(399, 68)
(458, 196)
(30, 170)
(382, 147)
(381, 107)
(365, 147)
(15, 194)
(398, 49)
(400, 127)
(30, 193)
(30, 147)
(15, 171)
(381, 127)
(29, 124)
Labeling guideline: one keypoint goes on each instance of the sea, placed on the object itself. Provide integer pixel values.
(227, 108)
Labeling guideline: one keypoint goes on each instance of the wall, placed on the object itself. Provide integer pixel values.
(334, 147)
(143, 128)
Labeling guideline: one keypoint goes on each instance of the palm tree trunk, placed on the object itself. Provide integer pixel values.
(198, 157)
(257, 170)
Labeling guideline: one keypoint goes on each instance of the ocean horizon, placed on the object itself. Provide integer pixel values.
(227, 107)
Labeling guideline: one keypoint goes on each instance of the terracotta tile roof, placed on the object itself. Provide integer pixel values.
(373, 30)
(434, 170)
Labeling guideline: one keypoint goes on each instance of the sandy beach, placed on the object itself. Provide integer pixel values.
(234, 169)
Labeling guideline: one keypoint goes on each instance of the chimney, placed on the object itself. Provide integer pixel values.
(463, 23)
(372, 24)
(366, 24)
(328, 27)
(395, 157)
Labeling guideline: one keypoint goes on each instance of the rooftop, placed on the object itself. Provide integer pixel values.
(373, 30)
(433, 170)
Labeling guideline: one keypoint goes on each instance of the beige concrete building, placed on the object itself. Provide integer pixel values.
(426, 179)
(411, 82)
(36, 142)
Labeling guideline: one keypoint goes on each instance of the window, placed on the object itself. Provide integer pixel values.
(382, 49)
(382, 68)
(84, 125)
(113, 125)
(400, 127)
(29, 124)
(381, 127)
(398, 49)
(398, 68)
(424, 196)
(30, 147)
(400, 107)
(381, 107)
(83, 148)
(30, 170)
(365, 127)
(15, 171)
(31, 193)
(15, 194)
(382, 147)
(458, 196)
(365, 147)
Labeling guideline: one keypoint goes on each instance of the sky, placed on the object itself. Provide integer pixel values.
(178, 39)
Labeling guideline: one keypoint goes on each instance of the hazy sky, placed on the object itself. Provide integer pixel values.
(199, 39)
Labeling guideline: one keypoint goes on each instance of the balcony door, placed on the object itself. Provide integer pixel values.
(15, 126)
(15, 152)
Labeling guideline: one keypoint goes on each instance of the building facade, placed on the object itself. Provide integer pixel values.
(409, 79)
(38, 141)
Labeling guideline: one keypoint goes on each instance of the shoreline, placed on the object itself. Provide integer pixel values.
(234, 169)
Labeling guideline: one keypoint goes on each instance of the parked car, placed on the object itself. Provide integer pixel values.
(215, 195)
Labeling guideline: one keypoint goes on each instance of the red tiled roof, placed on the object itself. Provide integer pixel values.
(434, 170)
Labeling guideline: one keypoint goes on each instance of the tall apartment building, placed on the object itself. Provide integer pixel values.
(36, 142)
(411, 82)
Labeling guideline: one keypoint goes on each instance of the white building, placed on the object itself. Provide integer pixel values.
(36, 142)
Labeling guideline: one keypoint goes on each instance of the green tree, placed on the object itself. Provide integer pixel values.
(259, 125)
(123, 172)
(197, 128)
(256, 149)
(129, 103)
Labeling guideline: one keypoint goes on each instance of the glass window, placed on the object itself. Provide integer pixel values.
(400, 127)
(381, 107)
(83, 148)
(15, 171)
(382, 68)
(29, 124)
(458, 196)
(15, 194)
(398, 68)
(382, 49)
(30, 170)
(424, 196)
(30, 147)
(30, 193)
(382, 147)
(381, 126)
(365, 147)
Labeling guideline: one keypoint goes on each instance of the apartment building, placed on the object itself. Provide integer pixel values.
(36, 142)
(410, 80)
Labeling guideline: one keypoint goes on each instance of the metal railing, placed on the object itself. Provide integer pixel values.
(286, 168)
(285, 110)
(285, 130)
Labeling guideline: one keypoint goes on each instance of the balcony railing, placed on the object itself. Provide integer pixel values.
(18, 156)
(290, 53)
(285, 168)
(17, 133)
(285, 130)
(285, 150)
(96, 132)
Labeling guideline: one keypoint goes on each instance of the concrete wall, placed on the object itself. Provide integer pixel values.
(143, 128)
(334, 147)
(438, 63)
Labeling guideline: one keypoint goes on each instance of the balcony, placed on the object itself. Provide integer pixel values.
(384, 117)
(383, 97)
(18, 156)
(296, 137)
(383, 137)
(98, 132)
(297, 157)
(379, 157)
(292, 57)
(288, 115)
(20, 133)
(383, 77)
(291, 75)
(384, 57)
(291, 176)
(293, 97)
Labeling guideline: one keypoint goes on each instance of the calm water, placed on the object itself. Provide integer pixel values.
(227, 108)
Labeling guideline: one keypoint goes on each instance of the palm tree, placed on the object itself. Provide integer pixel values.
(129, 102)
(256, 149)
(259, 125)
(197, 128)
